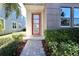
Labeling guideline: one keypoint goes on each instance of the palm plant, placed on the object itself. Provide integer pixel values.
(9, 7)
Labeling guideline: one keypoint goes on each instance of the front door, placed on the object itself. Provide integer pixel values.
(36, 24)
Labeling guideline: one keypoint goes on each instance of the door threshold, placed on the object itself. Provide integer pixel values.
(34, 38)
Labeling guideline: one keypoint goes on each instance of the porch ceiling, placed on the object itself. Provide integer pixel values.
(34, 8)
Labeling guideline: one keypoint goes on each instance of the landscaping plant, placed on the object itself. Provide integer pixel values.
(63, 41)
(11, 48)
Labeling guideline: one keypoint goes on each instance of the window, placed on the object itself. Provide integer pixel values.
(1, 24)
(65, 17)
(76, 16)
(14, 25)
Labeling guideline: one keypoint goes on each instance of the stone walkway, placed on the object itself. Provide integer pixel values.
(33, 48)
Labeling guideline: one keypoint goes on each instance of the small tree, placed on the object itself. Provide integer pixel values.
(9, 7)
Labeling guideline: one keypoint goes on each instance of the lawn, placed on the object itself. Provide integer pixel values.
(12, 44)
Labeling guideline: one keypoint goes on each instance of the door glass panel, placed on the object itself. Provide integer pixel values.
(36, 21)
(36, 30)
(36, 17)
(35, 24)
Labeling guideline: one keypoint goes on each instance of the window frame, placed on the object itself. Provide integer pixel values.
(75, 18)
(66, 17)
(13, 25)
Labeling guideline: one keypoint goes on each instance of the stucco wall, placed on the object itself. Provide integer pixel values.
(35, 9)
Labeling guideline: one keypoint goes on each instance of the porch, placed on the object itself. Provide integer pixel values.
(36, 21)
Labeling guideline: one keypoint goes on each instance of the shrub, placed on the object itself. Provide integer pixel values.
(5, 40)
(63, 41)
(17, 37)
(1, 25)
(11, 48)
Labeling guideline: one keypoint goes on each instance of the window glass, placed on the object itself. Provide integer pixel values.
(65, 16)
(76, 12)
(65, 12)
(76, 22)
(76, 16)
(14, 25)
(64, 22)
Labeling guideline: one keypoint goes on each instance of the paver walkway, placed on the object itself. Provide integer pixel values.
(33, 48)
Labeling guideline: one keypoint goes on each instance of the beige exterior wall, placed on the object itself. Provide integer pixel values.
(54, 16)
(35, 9)
(50, 15)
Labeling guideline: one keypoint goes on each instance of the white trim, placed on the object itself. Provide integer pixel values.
(76, 26)
(66, 26)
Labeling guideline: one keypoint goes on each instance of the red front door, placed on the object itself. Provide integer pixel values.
(36, 24)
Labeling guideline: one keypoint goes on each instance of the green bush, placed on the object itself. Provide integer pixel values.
(63, 41)
(1, 25)
(10, 48)
(17, 37)
(5, 40)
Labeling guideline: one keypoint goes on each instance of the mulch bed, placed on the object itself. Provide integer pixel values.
(20, 47)
(46, 48)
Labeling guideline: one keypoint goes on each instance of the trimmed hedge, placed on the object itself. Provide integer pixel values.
(17, 37)
(63, 41)
(10, 49)
(5, 40)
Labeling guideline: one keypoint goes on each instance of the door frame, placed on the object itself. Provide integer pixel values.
(39, 23)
